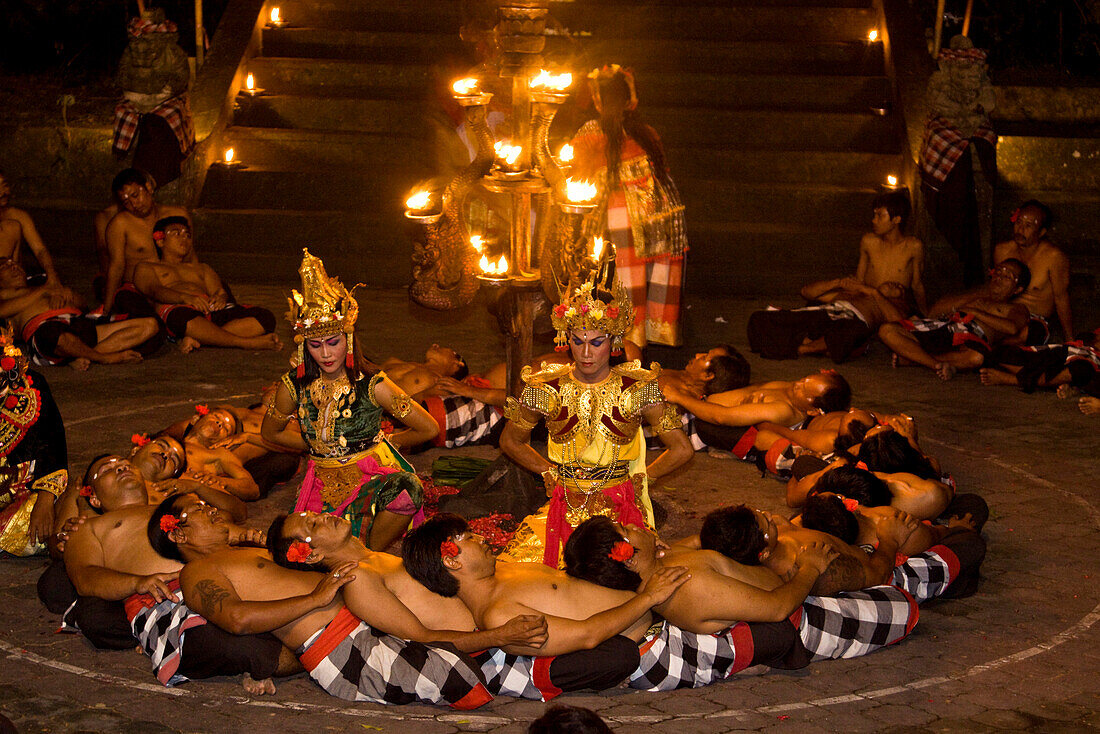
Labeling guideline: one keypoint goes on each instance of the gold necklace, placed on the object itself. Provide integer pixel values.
(328, 397)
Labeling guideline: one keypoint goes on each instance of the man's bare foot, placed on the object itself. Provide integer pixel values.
(267, 341)
(81, 364)
(945, 371)
(896, 360)
(1089, 405)
(126, 356)
(991, 376)
(257, 687)
(187, 345)
(965, 521)
(1067, 390)
(719, 453)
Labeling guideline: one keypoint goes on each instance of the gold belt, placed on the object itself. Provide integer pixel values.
(618, 470)
(340, 476)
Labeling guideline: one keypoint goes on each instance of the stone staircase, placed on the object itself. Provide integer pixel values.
(764, 106)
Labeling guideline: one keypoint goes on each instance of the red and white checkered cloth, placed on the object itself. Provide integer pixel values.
(176, 112)
(943, 146)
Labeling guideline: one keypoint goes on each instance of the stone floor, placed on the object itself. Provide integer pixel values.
(1022, 654)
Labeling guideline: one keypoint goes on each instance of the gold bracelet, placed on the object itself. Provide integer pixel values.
(670, 420)
(513, 413)
(277, 414)
(402, 404)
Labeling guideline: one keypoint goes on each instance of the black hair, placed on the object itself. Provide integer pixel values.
(617, 123)
(128, 176)
(735, 533)
(837, 395)
(1023, 280)
(858, 484)
(463, 370)
(1048, 214)
(852, 435)
(158, 538)
(891, 452)
(896, 204)
(88, 472)
(827, 514)
(561, 719)
(731, 371)
(588, 555)
(278, 543)
(420, 551)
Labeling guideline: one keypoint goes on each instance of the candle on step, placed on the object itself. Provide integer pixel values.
(276, 17)
(872, 35)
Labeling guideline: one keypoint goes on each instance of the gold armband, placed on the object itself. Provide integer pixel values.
(54, 483)
(513, 411)
(277, 414)
(402, 404)
(670, 420)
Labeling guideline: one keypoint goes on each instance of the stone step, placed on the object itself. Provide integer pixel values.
(774, 130)
(291, 8)
(441, 19)
(804, 205)
(397, 118)
(358, 191)
(1051, 163)
(766, 92)
(307, 150)
(340, 78)
(793, 167)
(384, 47)
(754, 56)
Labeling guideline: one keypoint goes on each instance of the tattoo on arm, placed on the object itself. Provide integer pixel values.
(843, 574)
(211, 595)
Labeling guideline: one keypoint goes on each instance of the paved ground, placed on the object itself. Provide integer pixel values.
(1024, 653)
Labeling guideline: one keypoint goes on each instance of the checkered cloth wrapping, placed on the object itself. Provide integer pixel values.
(927, 575)
(943, 146)
(963, 329)
(160, 628)
(855, 623)
(687, 420)
(352, 661)
(521, 676)
(176, 112)
(674, 658)
(463, 421)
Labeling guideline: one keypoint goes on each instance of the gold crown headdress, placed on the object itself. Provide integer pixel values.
(13, 363)
(323, 308)
(582, 309)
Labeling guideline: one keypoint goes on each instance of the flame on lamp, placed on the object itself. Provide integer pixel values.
(892, 181)
(597, 248)
(229, 152)
(872, 35)
(578, 191)
(477, 243)
(465, 87)
(552, 82)
(419, 201)
(275, 16)
(507, 152)
(249, 82)
(500, 267)
(565, 155)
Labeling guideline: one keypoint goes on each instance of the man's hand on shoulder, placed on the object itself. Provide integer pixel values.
(816, 555)
(156, 585)
(332, 582)
(664, 583)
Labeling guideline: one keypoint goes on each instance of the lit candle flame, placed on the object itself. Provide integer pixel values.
(597, 248)
(565, 155)
(465, 87)
(891, 180)
(275, 16)
(500, 267)
(249, 82)
(553, 82)
(477, 243)
(507, 152)
(419, 201)
(578, 191)
(229, 155)
(872, 36)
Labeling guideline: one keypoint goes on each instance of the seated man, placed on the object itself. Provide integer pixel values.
(191, 300)
(243, 592)
(67, 335)
(963, 329)
(448, 559)
(1075, 363)
(16, 226)
(851, 315)
(781, 403)
(886, 254)
(1048, 288)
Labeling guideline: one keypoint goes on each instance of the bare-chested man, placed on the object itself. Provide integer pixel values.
(67, 335)
(16, 226)
(1048, 289)
(130, 239)
(886, 254)
(191, 299)
(962, 330)
(163, 459)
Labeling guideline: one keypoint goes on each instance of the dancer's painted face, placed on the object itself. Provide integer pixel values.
(329, 352)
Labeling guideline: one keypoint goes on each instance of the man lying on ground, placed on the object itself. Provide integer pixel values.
(1075, 363)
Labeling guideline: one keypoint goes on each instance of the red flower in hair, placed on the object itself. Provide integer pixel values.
(612, 312)
(298, 552)
(168, 523)
(621, 551)
(7, 363)
(202, 409)
(140, 439)
(448, 549)
(85, 491)
(829, 371)
(862, 465)
(850, 504)
(11, 401)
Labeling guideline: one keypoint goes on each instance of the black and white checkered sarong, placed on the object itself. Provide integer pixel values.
(515, 675)
(674, 658)
(687, 420)
(855, 623)
(927, 575)
(160, 628)
(465, 421)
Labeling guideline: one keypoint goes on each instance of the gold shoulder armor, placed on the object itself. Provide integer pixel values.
(635, 371)
(545, 373)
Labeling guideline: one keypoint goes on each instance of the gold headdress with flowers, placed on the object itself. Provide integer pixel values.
(323, 308)
(13, 363)
(583, 309)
